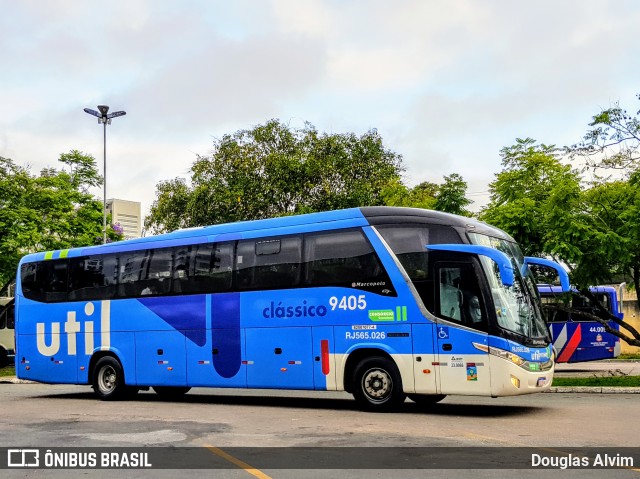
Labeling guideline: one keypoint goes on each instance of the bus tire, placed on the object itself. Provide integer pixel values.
(171, 391)
(4, 358)
(426, 399)
(108, 379)
(377, 384)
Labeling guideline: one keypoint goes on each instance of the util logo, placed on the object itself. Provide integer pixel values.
(73, 327)
(539, 355)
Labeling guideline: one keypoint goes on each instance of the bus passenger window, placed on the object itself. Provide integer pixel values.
(45, 281)
(133, 266)
(203, 268)
(344, 258)
(93, 277)
(156, 280)
(270, 263)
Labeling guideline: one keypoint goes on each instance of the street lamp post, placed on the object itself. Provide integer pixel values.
(105, 118)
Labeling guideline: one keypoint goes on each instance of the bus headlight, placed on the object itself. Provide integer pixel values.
(515, 359)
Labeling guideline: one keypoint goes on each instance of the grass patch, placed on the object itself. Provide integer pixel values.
(616, 381)
(629, 356)
(8, 371)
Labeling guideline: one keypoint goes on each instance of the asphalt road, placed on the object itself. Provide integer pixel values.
(36, 415)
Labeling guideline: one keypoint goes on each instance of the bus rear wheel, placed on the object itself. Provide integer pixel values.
(171, 391)
(108, 379)
(378, 385)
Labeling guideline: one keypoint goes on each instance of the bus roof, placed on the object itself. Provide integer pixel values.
(391, 214)
(352, 217)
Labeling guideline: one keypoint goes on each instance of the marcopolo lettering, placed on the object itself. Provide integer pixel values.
(301, 311)
(72, 327)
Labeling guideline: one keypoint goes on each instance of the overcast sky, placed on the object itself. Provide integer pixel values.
(446, 83)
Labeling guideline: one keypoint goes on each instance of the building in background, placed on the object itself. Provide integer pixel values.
(127, 214)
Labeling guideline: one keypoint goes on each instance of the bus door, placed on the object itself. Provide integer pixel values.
(423, 359)
(462, 321)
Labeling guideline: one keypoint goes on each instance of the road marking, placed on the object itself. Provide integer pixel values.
(241, 464)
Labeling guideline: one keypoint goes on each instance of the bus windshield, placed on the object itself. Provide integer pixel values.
(518, 308)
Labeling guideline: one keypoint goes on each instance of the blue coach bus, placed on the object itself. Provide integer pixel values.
(577, 338)
(381, 302)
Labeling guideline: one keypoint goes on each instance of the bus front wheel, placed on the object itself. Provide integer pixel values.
(108, 379)
(377, 384)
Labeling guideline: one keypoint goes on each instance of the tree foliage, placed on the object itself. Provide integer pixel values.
(450, 196)
(53, 210)
(612, 140)
(274, 170)
(590, 227)
(529, 197)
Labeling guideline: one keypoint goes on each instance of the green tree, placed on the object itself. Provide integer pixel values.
(51, 211)
(451, 196)
(448, 196)
(612, 140)
(272, 170)
(532, 195)
(544, 205)
(420, 196)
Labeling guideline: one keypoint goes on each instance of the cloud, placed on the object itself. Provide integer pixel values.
(227, 81)
(447, 84)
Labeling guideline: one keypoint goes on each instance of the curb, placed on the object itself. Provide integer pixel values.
(593, 390)
(14, 380)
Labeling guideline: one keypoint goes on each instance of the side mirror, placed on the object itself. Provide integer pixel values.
(564, 277)
(501, 259)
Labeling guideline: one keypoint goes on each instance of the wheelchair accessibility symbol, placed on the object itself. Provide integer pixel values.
(443, 332)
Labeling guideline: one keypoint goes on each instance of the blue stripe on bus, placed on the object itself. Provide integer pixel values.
(226, 352)
(186, 314)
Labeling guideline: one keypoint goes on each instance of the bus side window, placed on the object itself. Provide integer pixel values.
(133, 268)
(459, 296)
(344, 258)
(450, 304)
(269, 263)
(45, 281)
(156, 280)
(203, 268)
(93, 277)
